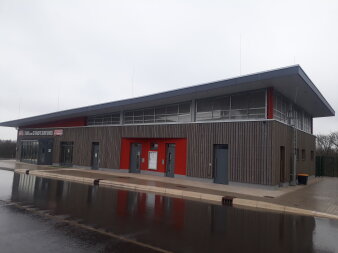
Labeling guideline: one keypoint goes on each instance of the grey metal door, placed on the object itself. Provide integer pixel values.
(42, 152)
(45, 156)
(282, 164)
(66, 153)
(135, 157)
(95, 155)
(221, 164)
(49, 152)
(170, 166)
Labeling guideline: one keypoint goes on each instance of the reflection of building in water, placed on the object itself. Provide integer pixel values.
(25, 185)
(170, 222)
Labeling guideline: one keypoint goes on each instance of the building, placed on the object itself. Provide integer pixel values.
(237, 130)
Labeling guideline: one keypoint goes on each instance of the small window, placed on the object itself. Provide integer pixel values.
(297, 154)
(154, 146)
(303, 154)
(312, 155)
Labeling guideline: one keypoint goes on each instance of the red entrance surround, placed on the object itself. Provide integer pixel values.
(180, 156)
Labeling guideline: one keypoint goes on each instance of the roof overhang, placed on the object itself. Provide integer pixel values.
(292, 82)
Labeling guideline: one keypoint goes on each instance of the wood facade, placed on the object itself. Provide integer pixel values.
(254, 147)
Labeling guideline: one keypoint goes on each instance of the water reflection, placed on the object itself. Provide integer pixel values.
(170, 223)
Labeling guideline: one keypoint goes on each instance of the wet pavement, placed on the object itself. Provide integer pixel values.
(237, 190)
(39, 215)
(322, 196)
(7, 164)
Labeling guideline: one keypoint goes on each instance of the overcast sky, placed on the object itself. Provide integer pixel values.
(57, 55)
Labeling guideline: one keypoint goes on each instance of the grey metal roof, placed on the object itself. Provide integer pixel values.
(291, 81)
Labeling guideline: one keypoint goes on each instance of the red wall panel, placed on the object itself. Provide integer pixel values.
(61, 123)
(270, 98)
(180, 156)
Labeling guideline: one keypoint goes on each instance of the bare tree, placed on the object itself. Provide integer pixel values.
(7, 149)
(334, 140)
(325, 144)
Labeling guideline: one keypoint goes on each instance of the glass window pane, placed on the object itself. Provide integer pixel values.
(239, 101)
(257, 111)
(221, 104)
(149, 112)
(160, 114)
(257, 99)
(128, 120)
(160, 111)
(172, 118)
(239, 114)
(184, 118)
(172, 109)
(160, 118)
(184, 108)
(203, 116)
(225, 114)
(138, 113)
(107, 120)
(204, 105)
(149, 119)
(129, 114)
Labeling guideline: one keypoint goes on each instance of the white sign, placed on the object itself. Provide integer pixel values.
(57, 132)
(36, 133)
(152, 160)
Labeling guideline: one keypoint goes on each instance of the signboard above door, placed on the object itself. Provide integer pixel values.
(56, 132)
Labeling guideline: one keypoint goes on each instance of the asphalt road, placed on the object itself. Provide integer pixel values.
(43, 215)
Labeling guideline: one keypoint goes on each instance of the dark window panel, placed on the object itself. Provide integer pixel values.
(184, 108)
(172, 110)
(239, 101)
(204, 105)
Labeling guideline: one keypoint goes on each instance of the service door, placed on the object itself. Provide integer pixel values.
(170, 165)
(42, 152)
(66, 153)
(45, 156)
(49, 152)
(282, 164)
(221, 164)
(135, 157)
(95, 155)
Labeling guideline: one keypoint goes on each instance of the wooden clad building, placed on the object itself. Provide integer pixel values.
(247, 129)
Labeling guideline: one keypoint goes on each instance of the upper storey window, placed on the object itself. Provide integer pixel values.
(162, 114)
(249, 105)
(287, 112)
(281, 108)
(107, 119)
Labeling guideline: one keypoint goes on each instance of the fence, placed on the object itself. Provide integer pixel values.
(327, 166)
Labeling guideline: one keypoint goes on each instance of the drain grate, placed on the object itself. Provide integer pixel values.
(227, 200)
(269, 197)
(181, 186)
(97, 181)
(123, 177)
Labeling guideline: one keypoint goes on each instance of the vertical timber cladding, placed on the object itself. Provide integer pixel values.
(249, 143)
(283, 136)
